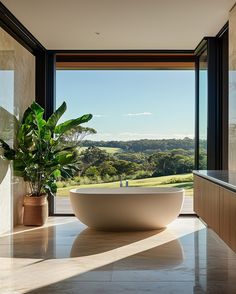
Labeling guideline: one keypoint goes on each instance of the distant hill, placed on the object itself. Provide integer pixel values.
(146, 145)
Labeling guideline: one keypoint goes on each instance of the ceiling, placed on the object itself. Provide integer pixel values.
(121, 24)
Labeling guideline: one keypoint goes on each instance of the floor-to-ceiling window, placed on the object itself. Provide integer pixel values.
(203, 109)
(212, 103)
(142, 129)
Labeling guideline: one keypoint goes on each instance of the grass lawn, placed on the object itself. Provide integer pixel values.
(110, 150)
(148, 182)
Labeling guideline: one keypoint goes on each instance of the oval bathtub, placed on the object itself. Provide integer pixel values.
(126, 208)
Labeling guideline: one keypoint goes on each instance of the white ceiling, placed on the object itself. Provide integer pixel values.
(121, 24)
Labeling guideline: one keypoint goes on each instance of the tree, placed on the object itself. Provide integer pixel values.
(107, 168)
(124, 167)
(92, 172)
(93, 156)
(77, 134)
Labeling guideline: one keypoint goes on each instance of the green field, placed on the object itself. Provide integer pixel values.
(110, 150)
(180, 181)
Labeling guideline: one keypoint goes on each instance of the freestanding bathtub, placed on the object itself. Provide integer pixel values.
(126, 208)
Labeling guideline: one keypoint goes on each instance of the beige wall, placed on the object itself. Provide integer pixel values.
(232, 89)
(17, 91)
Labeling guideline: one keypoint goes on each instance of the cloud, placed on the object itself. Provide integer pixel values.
(138, 114)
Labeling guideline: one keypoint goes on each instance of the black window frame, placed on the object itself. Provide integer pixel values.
(123, 56)
(217, 113)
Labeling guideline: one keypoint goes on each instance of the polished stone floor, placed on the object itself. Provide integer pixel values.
(67, 257)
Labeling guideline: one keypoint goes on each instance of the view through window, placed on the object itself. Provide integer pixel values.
(142, 129)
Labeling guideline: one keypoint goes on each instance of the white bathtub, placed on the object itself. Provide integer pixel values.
(126, 208)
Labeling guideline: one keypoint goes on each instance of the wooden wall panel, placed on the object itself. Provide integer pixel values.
(206, 201)
(217, 208)
(210, 205)
(228, 217)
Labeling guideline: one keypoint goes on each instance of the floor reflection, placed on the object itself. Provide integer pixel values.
(91, 242)
(68, 258)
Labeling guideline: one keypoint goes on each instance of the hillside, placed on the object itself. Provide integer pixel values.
(146, 145)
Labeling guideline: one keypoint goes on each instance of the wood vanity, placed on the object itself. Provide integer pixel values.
(215, 202)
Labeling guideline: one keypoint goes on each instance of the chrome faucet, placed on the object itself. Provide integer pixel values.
(126, 183)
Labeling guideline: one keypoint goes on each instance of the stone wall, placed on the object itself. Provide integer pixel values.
(17, 91)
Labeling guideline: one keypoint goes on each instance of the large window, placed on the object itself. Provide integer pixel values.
(212, 103)
(142, 129)
(203, 109)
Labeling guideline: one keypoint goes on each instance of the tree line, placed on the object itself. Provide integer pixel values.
(147, 145)
(135, 159)
(99, 165)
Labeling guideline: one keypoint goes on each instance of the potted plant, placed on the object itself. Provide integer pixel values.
(40, 155)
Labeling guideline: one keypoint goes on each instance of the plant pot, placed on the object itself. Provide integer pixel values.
(35, 210)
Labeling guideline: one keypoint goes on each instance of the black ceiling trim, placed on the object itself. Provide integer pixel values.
(130, 51)
(202, 44)
(124, 58)
(18, 31)
(223, 30)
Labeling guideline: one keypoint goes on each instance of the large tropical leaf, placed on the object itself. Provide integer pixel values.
(33, 116)
(64, 157)
(67, 172)
(26, 115)
(54, 118)
(72, 123)
(38, 112)
(25, 137)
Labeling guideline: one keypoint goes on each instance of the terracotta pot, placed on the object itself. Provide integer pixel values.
(35, 210)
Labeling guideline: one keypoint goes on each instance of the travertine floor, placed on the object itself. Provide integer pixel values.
(66, 257)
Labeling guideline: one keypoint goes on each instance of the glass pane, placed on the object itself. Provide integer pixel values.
(203, 110)
(144, 122)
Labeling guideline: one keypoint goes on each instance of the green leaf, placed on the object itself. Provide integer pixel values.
(37, 109)
(54, 118)
(33, 116)
(67, 173)
(64, 158)
(57, 173)
(50, 187)
(69, 124)
(26, 115)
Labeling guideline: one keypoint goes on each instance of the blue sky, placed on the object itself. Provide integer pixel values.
(7, 90)
(130, 104)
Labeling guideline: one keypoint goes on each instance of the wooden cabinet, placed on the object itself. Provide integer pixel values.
(228, 217)
(217, 208)
(207, 202)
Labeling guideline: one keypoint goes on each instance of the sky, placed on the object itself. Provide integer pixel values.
(7, 90)
(130, 104)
